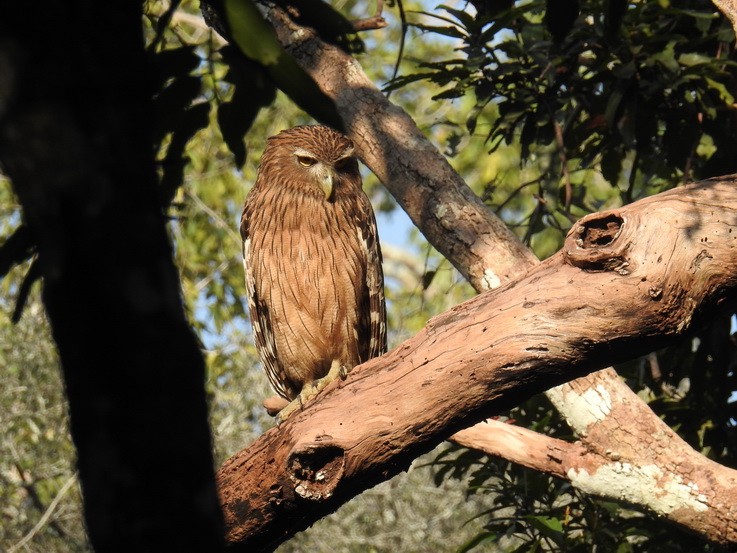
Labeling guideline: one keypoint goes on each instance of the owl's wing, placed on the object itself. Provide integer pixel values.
(369, 237)
(260, 320)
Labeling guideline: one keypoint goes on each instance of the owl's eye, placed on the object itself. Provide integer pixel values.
(306, 161)
(342, 163)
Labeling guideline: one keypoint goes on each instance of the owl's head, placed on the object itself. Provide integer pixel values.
(313, 156)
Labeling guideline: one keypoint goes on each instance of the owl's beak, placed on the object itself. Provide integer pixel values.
(327, 183)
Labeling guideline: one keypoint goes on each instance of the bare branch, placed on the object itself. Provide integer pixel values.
(450, 217)
(46, 516)
(627, 281)
(524, 447)
(370, 23)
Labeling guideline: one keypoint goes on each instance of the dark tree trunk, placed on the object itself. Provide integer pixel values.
(75, 141)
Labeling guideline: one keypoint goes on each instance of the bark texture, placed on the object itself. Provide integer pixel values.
(627, 281)
(630, 464)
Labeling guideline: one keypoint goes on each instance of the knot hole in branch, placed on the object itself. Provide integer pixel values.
(316, 470)
(591, 244)
(598, 232)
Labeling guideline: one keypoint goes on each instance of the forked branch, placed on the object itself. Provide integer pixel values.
(627, 281)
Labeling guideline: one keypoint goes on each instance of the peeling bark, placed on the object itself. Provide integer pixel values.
(671, 482)
(627, 281)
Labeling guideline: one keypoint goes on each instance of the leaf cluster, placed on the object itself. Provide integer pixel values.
(635, 95)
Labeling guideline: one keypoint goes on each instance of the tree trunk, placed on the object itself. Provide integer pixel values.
(627, 281)
(75, 128)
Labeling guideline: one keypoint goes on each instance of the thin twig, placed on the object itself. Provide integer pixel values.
(45, 517)
(369, 24)
(563, 164)
(218, 219)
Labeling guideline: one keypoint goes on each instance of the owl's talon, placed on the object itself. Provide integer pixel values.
(311, 389)
(293, 406)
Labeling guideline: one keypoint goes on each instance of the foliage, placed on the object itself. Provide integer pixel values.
(639, 95)
(36, 454)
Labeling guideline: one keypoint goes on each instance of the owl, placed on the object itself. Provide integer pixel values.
(313, 263)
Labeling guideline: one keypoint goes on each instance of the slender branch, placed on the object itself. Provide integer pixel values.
(370, 23)
(45, 517)
(525, 447)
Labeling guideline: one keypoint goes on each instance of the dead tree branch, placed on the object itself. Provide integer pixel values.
(422, 182)
(627, 281)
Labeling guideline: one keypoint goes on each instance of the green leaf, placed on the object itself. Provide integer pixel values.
(452, 32)
(551, 527)
(477, 540)
(611, 165)
(724, 94)
(171, 104)
(251, 33)
(667, 58)
(253, 90)
(173, 63)
(612, 106)
(465, 18)
(427, 279)
(195, 119)
(257, 40)
(690, 59)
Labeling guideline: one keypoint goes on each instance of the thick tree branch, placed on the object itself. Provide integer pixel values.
(629, 465)
(627, 281)
(422, 182)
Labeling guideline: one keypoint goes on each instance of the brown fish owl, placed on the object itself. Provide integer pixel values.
(313, 263)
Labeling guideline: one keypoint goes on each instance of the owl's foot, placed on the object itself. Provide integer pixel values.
(311, 389)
